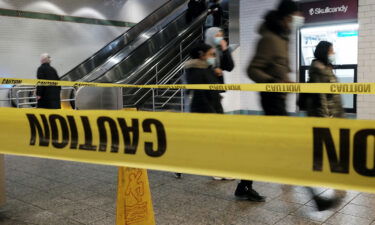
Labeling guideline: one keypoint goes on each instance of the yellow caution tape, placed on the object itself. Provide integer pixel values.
(337, 153)
(330, 88)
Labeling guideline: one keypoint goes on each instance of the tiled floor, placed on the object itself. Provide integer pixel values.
(50, 192)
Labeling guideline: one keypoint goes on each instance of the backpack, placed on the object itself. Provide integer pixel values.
(304, 100)
(209, 20)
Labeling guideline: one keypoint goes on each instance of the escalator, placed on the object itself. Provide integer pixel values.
(152, 52)
(100, 57)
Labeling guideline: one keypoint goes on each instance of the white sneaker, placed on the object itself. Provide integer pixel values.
(223, 178)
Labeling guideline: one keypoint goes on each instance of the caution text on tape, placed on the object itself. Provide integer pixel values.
(330, 88)
(337, 153)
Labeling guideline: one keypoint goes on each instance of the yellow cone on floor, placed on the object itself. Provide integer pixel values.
(134, 203)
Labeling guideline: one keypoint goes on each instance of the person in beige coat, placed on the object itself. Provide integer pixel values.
(323, 105)
(271, 62)
(321, 71)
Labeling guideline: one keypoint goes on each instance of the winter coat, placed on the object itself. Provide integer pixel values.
(271, 63)
(224, 59)
(49, 95)
(202, 101)
(217, 13)
(323, 105)
(195, 9)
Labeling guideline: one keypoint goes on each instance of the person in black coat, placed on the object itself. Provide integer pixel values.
(217, 12)
(199, 70)
(195, 9)
(48, 96)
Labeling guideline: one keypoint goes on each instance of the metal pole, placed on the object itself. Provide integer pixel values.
(157, 77)
(153, 99)
(181, 58)
(182, 100)
(17, 99)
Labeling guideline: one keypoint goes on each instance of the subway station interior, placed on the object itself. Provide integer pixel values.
(173, 43)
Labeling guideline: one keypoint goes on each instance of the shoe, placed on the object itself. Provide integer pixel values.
(241, 192)
(324, 204)
(222, 178)
(178, 175)
(244, 193)
(254, 196)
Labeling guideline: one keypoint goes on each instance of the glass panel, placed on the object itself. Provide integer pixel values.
(343, 37)
(346, 76)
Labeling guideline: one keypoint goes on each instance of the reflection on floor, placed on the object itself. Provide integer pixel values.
(50, 192)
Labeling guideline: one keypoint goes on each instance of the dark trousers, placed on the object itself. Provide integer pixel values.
(49, 104)
(273, 104)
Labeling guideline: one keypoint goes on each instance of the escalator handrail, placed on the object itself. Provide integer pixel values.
(132, 33)
(165, 80)
(154, 66)
(153, 77)
(158, 29)
(168, 77)
(174, 72)
(164, 49)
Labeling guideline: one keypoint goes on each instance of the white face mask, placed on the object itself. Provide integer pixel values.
(332, 58)
(211, 61)
(297, 22)
(218, 40)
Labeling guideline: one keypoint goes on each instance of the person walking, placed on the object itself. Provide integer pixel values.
(199, 70)
(47, 97)
(321, 71)
(323, 105)
(195, 9)
(216, 11)
(271, 65)
(214, 37)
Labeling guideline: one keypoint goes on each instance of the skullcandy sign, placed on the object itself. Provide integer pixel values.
(330, 10)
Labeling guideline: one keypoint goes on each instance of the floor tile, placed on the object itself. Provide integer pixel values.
(340, 218)
(294, 220)
(311, 214)
(53, 192)
(359, 211)
(90, 215)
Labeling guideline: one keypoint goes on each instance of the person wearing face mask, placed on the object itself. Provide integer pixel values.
(322, 105)
(321, 71)
(214, 37)
(198, 70)
(195, 9)
(217, 12)
(270, 64)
